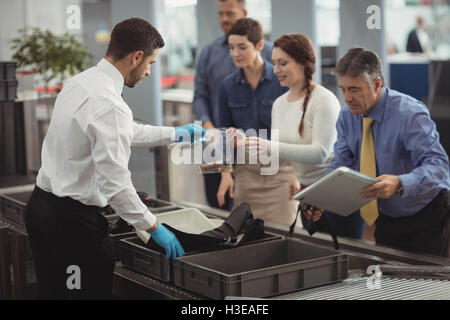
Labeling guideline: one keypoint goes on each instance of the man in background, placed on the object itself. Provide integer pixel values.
(418, 40)
(213, 65)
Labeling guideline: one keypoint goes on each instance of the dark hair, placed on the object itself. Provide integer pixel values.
(360, 62)
(241, 3)
(247, 27)
(133, 35)
(299, 47)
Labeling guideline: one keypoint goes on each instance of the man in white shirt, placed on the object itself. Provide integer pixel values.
(85, 158)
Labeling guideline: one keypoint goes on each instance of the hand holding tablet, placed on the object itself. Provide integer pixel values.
(339, 191)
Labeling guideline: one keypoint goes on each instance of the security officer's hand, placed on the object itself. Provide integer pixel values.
(189, 132)
(166, 239)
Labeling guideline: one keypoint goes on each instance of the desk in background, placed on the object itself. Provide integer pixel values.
(426, 78)
(409, 74)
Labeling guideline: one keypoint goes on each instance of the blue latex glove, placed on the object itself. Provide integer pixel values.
(189, 131)
(166, 239)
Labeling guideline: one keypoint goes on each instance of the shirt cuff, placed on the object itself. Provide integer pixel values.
(147, 221)
(173, 135)
(276, 145)
(408, 183)
(167, 134)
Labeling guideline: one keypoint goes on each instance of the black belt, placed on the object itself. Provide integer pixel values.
(66, 200)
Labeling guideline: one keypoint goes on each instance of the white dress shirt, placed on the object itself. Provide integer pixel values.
(311, 153)
(86, 151)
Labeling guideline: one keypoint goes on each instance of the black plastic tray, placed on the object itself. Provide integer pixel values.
(8, 70)
(12, 207)
(115, 239)
(260, 270)
(8, 90)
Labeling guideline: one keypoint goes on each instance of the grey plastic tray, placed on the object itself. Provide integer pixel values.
(12, 207)
(157, 204)
(260, 270)
(8, 70)
(137, 257)
(8, 90)
(141, 259)
(115, 239)
(113, 217)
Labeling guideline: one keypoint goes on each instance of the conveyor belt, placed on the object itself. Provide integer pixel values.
(357, 288)
(407, 284)
(131, 284)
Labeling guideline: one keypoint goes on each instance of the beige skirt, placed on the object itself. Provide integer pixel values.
(267, 195)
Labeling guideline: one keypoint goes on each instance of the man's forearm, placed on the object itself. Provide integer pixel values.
(155, 226)
(152, 136)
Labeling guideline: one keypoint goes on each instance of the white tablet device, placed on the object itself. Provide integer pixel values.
(338, 192)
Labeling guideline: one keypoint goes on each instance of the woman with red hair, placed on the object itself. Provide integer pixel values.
(305, 116)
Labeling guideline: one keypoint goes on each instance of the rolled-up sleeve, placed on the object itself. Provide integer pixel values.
(111, 135)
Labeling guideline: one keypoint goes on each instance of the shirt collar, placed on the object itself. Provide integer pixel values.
(223, 40)
(267, 73)
(268, 70)
(113, 72)
(377, 111)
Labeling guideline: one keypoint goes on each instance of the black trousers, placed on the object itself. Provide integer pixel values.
(72, 254)
(427, 231)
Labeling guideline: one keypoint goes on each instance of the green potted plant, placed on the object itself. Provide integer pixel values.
(51, 56)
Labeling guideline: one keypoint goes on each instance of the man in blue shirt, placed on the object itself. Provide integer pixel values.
(213, 65)
(411, 164)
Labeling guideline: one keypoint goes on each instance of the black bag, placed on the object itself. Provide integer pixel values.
(311, 226)
(240, 227)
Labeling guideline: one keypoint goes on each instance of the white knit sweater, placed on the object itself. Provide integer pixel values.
(311, 153)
